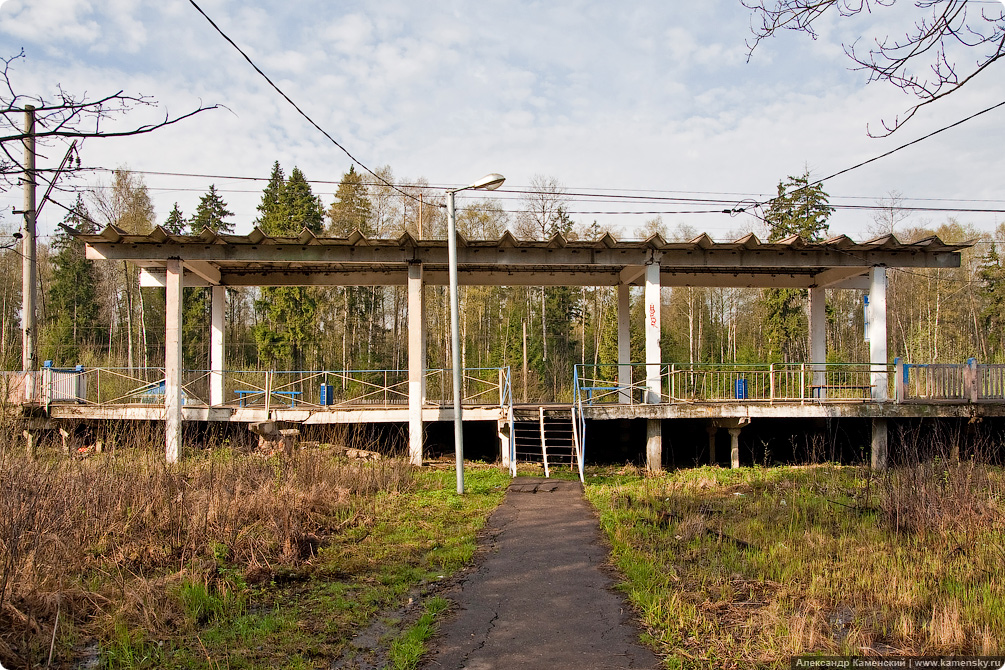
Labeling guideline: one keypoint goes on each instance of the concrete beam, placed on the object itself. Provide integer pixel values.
(813, 260)
(173, 361)
(833, 276)
(829, 409)
(155, 277)
(631, 274)
(209, 272)
(557, 276)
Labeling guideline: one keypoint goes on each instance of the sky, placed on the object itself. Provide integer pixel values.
(650, 97)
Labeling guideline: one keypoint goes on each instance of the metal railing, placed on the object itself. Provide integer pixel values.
(312, 389)
(769, 382)
(88, 386)
(593, 385)
(969, 382)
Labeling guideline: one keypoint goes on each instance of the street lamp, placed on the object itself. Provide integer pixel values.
(489, 182)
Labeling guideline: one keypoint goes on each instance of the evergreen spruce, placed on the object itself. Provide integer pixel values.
(211, 213)
(798, 209)
(289, 315)
(351, 209)
(175, 222)
(74, 311)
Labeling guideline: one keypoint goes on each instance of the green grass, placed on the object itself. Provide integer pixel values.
(306, 615)
(754, 565)
(407, 650)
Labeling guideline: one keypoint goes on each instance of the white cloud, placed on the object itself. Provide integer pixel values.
(50, 23)
(650, 95)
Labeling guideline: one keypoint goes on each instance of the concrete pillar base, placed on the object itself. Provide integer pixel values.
(734, 447)
(711, 430)
(654, 445)
(503, 429)
(879, 444)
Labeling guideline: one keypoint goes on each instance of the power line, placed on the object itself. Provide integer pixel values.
(611, 194)
(719, 202)
(884, 155)
(295, 106)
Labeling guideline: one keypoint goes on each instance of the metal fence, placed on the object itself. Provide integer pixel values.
(251, 388)
(772, 382)
(969, 382)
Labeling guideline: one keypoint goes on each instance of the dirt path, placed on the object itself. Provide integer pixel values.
(540, 597)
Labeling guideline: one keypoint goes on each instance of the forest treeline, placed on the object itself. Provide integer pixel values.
(95, 314)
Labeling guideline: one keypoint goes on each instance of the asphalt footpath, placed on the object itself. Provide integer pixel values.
(540, 597)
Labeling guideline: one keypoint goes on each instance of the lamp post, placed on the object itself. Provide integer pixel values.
(489, 182)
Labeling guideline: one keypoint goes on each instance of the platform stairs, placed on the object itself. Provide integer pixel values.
(544, 435)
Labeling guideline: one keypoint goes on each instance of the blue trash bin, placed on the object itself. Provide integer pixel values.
(741, 389)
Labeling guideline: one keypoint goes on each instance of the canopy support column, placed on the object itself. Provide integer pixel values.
(416, 361)
(654, 358)
(217, 345)
(877, 334)
(624, 345)
(174, 281)
(818, 337)
(654, 361)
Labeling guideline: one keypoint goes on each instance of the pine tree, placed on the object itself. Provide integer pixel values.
(74, 311)
(561, 308)
(351, 209)
(992, 292)
(799, 209)
(289, 315)
(211, 213)
(272, 214)
(175, 222)
(302, 206)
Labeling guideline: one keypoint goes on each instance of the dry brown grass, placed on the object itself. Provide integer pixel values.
(107, 539)
(748, 567)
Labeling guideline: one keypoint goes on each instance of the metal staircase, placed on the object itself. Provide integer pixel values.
(545, 435)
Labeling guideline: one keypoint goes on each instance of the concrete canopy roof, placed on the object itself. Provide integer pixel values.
(257, 259)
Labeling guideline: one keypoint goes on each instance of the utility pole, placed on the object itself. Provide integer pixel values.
(29, 360)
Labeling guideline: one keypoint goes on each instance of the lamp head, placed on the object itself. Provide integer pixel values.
(489, 182)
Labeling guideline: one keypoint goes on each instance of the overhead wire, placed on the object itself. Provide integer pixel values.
(604, 191)
(571, 197)
(880, 156)
(295, 105)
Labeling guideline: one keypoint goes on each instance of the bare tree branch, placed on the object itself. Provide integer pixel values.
(65, 115)
(949, 45)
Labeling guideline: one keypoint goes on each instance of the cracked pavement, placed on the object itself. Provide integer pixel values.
(540, 596)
